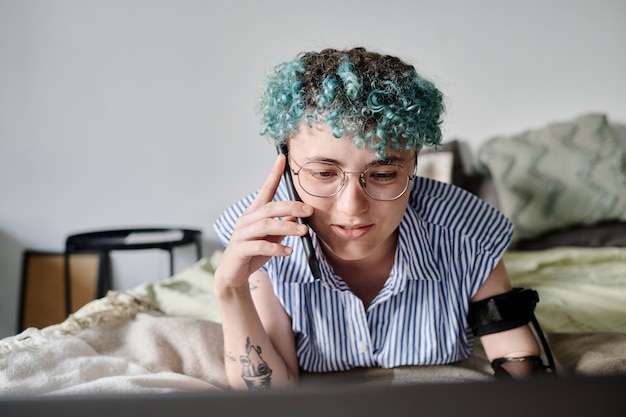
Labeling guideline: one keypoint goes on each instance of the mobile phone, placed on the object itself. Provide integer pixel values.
(307, 242)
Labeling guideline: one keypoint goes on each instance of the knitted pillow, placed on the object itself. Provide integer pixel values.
(564, 174)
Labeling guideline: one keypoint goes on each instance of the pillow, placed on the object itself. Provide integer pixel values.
(450, 162)
(562, 175)
(437, 165)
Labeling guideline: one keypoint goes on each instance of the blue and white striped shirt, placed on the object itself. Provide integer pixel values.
(449, 242)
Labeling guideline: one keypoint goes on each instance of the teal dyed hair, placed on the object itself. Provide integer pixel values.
(378, 98)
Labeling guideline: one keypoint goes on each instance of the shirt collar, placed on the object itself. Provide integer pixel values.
(414, 260)
(415, 257)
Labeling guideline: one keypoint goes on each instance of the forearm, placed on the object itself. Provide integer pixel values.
(519, 341)
(515, 350)
(251, 360)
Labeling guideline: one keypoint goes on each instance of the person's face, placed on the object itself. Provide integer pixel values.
(350, 225)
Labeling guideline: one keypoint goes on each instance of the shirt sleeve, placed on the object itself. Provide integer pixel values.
(468, 232)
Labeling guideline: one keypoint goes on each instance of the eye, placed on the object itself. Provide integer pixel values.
(323, 175)
(322, 172)
(383, 174)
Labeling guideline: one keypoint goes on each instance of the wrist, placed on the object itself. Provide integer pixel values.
(521, 367)
(225, 293)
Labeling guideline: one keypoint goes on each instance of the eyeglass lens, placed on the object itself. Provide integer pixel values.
(380, 182)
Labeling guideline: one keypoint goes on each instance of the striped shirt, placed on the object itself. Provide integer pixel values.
(449, 242)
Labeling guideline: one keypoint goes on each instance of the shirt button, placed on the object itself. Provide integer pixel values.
(362, 346)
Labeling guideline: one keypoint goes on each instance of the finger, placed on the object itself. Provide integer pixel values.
(275, 209)
(266, 249)
(270, 229)
(269, 187)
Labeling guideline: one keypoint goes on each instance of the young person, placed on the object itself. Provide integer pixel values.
(400, 257)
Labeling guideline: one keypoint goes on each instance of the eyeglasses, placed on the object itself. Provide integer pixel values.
(384, 182)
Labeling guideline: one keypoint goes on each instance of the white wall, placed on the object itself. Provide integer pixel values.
(141, 112)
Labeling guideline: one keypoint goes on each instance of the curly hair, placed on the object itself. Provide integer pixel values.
(379, 98)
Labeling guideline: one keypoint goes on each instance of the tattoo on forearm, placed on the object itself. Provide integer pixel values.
(255, 371)
(230, 357)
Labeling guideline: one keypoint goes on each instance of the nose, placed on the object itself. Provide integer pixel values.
(352, 198)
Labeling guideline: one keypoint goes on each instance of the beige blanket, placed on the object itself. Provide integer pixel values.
(127, 347)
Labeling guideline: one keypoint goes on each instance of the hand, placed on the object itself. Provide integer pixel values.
(258, 232)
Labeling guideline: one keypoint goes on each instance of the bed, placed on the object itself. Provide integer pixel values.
(165, 337)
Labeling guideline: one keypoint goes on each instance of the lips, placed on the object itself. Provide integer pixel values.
(352, 232)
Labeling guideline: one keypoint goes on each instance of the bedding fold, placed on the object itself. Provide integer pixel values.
(118, 344)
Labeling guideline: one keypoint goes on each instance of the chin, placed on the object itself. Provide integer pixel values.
(352, 251)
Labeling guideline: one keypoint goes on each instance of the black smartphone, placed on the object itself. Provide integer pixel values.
(307, 242)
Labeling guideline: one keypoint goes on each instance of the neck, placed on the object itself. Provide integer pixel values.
(366, 277)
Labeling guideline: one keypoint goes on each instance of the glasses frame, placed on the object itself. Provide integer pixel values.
(362, 180)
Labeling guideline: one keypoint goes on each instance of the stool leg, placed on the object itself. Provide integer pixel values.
(171, 262)
(68, 283)
(198, 249)
(104, 275)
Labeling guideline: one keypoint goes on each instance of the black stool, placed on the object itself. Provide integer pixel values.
(103, 242)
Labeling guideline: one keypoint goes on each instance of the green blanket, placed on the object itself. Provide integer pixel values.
(580, 289)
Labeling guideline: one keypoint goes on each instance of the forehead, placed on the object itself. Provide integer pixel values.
(317, 142)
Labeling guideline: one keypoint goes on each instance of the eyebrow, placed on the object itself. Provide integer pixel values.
(390, 160)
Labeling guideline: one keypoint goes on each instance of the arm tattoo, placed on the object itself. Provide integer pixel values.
(255, 372)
